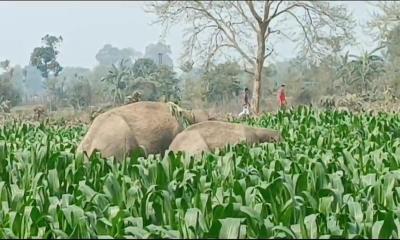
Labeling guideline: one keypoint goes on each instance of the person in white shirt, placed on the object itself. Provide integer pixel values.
(246, 104)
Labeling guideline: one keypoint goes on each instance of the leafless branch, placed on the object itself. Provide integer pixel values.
(213, 52)
(235, 25)
(241, 11)
(276, 10)
(268, 54)
(231, 37)
(254, 12)
(267, 7)
(247, 70)
(276, 13)
(303, 27)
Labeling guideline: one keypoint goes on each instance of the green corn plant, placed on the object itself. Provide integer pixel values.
(335, 175)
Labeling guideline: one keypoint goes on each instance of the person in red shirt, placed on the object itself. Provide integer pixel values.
(282, 96)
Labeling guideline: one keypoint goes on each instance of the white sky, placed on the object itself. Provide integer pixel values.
(87, 26)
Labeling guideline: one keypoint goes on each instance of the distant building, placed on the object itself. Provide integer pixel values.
(159, 53)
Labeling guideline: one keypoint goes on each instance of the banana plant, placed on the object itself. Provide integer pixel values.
(118, 78)
(365, 68)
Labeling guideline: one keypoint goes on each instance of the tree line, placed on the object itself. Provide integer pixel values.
(227, 48)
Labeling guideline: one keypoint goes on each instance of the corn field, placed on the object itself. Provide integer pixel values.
(335, 175)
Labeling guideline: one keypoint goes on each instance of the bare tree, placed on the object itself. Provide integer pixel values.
(385, 19)
(247, 27)
(385, 26)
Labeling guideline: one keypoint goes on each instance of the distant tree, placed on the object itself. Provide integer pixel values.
(344, 71)
(8, 88)
(221, 84)
(151, 81)
(79, 92)
(385, 19)
(144, 67)
(99, 88)
(156, 82)
(385, 24)
(112, 55)
(45, 57)
(33, 80)
(108, 55)
(392, 55)
(18, 80)
(5, 65)
(192, 92)
(67, 79)
(71, 73)
(186, 66)
(168, 84)
(117, 78)
(392, 43)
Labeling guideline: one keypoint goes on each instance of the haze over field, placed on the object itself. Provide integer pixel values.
(89, 53)
(87, 26)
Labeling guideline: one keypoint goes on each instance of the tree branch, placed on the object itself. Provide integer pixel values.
(276, 13)
(268, 54)
(224, 30)
(276, 9)
(302, 26)
(254, 12)
(241, 11)
(267, 7)
(248, 71)
(217, 47)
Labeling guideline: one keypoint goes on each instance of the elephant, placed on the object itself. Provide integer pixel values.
(209, 135)
(121, 130)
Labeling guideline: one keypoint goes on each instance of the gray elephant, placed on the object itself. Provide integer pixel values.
(149, 125)
(207, 136)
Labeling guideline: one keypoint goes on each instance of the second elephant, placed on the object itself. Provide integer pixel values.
(209, 135)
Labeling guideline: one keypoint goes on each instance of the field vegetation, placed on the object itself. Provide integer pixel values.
(335, 175)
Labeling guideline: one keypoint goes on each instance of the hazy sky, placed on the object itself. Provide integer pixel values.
(87, 26)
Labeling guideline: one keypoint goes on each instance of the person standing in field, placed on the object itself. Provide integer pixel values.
(246, 103)
(282, 96)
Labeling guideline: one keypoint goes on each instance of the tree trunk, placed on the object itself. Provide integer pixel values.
(259, 64)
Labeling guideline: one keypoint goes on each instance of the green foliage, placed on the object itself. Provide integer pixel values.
(218, 86)
(118, 78)
(335, 176)
(154, 82)
(221, 83)
(79, 92)
(8, 87)
(144, 67)
(364, 69)
(168, 84)
(5, 64)
(393, 43)
(187, 66)
(45, 58)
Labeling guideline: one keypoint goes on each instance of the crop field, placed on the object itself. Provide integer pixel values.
(335, 175)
